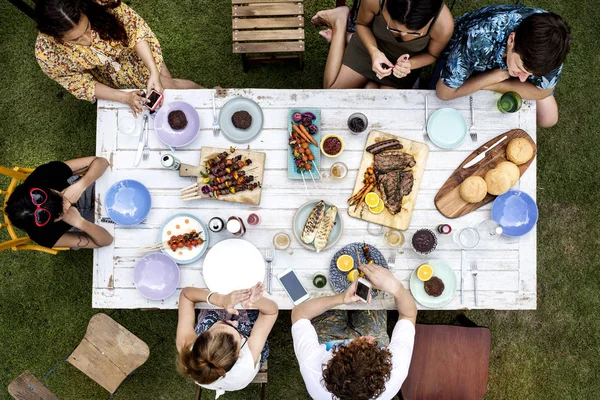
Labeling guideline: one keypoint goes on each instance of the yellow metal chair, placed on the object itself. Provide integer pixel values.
(18, 243)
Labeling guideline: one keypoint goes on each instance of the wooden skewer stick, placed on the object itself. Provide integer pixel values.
(189, 195)
(191, 198)
(317, 169)
(192, 186)
(303, 180)
(313, 179)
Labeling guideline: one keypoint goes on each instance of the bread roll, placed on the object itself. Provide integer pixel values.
(519, 151)
(511, 169)
(473, 189)
(498, 181)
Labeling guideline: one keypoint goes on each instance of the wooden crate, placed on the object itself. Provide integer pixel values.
(271, 27)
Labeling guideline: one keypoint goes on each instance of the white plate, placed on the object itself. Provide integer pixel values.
(179, 225)
(233, 264)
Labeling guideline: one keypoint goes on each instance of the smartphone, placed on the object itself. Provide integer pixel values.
(385, 66)
(293, 286)
(363, 290)
(155, 100)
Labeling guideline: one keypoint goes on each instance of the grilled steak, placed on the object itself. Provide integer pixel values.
(394, 186)
(393, 160)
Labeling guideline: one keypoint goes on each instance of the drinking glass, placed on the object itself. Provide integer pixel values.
(510, 102)
(338, 170)
(468, 238)
(489, 230)
(374, 229)
(395, 239)
(282, 241)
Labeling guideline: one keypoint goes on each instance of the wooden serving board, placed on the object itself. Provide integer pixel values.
(448, 200)
(256, 169)
(401, 220)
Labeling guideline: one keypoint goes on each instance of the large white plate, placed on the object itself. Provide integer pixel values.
(233, 264)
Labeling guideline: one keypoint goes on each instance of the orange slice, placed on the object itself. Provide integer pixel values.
(425, 272)
(372, 199)
(378, 209)
(353, 275)
(345, 263)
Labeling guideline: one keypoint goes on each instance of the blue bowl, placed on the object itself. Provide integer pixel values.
(516, 212)
(128, 202)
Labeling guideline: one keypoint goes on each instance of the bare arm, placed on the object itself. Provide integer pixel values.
(472, 85)
(132, 98)
(367, 11)
(93, 168)
(93, 236)
(186, 315)
(267, 316)
(315, 307)
(527, 90)
(440, 36)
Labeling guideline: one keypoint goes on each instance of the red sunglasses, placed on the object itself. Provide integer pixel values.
(41, 215)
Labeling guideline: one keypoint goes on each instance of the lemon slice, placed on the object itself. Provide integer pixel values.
(425, 272)
(372, 199)
(378, 209)
(353, 275)
(345, 263)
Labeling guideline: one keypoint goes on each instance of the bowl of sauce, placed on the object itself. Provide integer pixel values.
(332, 145)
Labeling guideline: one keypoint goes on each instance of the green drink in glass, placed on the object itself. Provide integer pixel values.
(510, 102)
(319, 280)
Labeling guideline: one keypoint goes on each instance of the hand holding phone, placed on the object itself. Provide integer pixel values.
(363, 290)
(155, 100)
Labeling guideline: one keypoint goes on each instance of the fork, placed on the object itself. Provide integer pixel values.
(216, 128)
(146, 150)
(472, 132)
(269, 259)
(425, 136)
(474, 273)
(392, 260)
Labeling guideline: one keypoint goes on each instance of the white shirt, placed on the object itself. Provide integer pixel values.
(312, 356)
(239, 376)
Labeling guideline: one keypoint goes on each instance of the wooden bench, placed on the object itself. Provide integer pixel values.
(268, 26)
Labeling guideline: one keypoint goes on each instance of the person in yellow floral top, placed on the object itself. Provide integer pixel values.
(94, 47)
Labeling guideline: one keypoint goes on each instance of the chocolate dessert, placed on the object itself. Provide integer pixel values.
(241, 119)
(424, 241)
(434, 286)
(177, 120)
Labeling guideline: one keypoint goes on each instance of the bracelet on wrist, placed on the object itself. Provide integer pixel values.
(208, 299)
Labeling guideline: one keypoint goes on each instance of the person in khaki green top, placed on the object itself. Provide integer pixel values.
(93, 48)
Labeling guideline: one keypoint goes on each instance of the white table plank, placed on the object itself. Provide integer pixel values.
(507, 277)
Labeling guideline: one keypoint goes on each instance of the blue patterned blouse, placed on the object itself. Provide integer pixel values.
(479, 42)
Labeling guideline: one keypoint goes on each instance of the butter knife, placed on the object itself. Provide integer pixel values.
(482, 155)
(140, 149)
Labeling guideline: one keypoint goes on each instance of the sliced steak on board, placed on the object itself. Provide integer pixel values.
(393, 160)
(394, 186)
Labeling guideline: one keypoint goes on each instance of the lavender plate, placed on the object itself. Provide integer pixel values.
(156, 276)
(170, 136)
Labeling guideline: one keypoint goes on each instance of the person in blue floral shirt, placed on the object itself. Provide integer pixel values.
(506, 48)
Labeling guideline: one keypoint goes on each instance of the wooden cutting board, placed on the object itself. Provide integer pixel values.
(401, 220)
(448, 200)
(256, 169)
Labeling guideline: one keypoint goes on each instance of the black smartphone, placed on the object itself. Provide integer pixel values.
(363, 288)
(385, 66)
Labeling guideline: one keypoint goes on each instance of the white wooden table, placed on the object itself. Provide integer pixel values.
(507, 267)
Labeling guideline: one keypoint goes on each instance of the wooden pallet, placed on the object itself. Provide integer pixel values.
(268, 27)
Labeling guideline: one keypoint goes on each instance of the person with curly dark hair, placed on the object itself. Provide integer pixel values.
(94, 47)
(348, 355)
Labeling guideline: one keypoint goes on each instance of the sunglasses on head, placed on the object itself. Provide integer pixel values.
(41, 215)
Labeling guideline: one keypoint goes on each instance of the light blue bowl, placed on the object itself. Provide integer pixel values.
(516, 212)
(128, 202)
(447, 128)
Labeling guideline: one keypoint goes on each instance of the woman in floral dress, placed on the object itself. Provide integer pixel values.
(94, 47)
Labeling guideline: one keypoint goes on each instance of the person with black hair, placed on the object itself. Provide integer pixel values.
(94, 47)
(395, 38)
(55, 205)
(506, 48)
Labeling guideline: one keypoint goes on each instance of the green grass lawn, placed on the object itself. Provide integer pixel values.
(45, 301)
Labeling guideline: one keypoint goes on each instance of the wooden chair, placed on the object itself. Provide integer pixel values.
(16, 243)
(268, 26)
(108, 354)
(448, 362)
(262, 378)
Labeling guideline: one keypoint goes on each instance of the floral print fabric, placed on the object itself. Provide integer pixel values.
(479, 42)
(77, 68)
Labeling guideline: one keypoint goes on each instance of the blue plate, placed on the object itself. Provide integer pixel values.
(442, 271)
(338, 278)
(128, 202)
(240, 104)
(447, 128)
(516, 212)
(292, 170)
(178, 225)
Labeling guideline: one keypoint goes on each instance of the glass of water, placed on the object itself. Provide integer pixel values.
(468, 238)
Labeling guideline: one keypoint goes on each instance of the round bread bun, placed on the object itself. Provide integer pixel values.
(473, 189)
(498, 181)
(511, 169)
(519, 151)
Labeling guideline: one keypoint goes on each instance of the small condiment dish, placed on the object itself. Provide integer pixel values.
(332, 136)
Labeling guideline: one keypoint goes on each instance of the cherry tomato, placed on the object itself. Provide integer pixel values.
(308, 151)
(194, 243)
(180, 245)
(308, 166)
(173, 247)
(311, 157)
(301, 150)
(179, 237)
(173, 237)
(304, 158)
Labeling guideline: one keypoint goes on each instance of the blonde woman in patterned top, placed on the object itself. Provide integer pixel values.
(94, 47)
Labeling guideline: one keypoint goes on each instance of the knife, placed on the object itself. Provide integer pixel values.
(462, 276)
(482, 155)
(140, 149)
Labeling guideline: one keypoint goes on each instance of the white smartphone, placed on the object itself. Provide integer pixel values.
(293, 286)
(363, 290)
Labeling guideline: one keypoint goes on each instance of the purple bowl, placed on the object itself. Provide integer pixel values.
(156, 276)
(170, 136)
